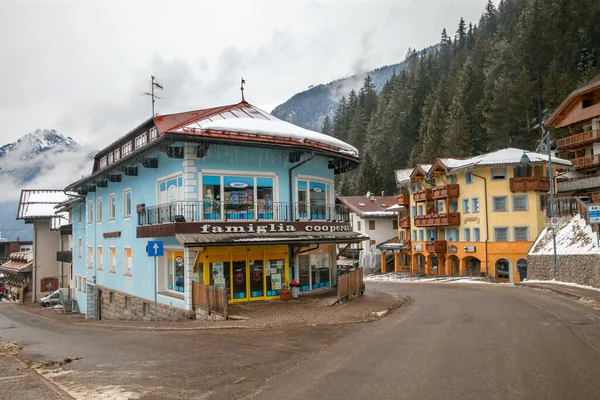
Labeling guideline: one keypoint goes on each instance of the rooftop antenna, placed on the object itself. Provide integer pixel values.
(242, 89)
(151, 94)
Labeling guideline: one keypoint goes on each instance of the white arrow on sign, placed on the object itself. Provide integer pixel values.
(155, 247)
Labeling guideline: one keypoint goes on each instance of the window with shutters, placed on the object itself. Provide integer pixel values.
(48, 284)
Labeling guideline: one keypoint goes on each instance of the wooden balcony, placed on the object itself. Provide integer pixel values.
(578, 140)
(586, 162)
(403, 199)
(441, 192)
(422, 195)
(529, 184)
(436, 246)
(429, 220)
(404, 222)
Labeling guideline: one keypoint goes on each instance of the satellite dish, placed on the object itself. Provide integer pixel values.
(368, 194)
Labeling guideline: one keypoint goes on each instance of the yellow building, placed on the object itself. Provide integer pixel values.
(476, 216)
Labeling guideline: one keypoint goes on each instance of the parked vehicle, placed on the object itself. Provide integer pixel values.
(51, 299)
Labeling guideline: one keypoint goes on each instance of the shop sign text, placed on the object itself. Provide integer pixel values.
(274, 227)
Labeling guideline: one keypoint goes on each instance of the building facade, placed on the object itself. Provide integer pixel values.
(238, 198)
(370, 216)
(580, 114)
(476, 216)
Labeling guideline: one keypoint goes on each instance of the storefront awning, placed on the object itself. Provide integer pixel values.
(233, 239)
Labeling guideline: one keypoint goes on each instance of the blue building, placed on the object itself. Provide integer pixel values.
(238, 197)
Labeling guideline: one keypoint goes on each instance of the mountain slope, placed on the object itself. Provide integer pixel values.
(44, 159)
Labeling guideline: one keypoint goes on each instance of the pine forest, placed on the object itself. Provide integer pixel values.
(485, 86)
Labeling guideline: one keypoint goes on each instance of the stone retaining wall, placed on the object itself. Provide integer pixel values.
(582, 269)
(132, 308)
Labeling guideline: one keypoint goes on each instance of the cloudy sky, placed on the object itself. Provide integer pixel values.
(80, 67)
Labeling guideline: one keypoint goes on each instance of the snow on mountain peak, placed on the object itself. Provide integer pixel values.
(39, 141)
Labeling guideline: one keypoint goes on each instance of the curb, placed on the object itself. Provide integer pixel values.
(558, 290)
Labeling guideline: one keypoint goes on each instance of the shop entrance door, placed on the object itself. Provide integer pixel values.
(256, 276)
(239, 280)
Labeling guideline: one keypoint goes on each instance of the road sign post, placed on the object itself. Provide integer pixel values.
(155, 248)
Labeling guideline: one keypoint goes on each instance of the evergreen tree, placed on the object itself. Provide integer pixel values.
(327, 127)
(461, 35)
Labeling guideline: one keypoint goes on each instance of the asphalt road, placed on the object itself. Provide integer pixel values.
(459, 342)
(455, 341)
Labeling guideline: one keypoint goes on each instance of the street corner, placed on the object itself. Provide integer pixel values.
(374, 304)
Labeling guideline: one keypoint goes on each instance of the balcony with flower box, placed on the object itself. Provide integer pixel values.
(529, 183)
(403, 199)
(422, 195)
(404, 222)
(429, 220)
(442, 192)
(436, 246)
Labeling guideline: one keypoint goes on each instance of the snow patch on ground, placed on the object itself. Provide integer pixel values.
(380, 313)
(577, 285)
(394, 277)
(573, 237)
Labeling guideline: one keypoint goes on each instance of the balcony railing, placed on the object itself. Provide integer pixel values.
(404, 222)
(578, 140)
(403, 199)
(586, 162)
(450, 190)
(422, 195)
(436, 246)
(529, 183)
(215, 211)
(450, 219)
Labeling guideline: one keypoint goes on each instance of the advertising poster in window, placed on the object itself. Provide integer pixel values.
(275, 281)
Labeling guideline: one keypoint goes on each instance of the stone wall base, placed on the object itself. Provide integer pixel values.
(132, 308)
(206, 316)
(582, 269)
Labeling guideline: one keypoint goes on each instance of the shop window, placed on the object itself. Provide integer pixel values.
(275, 275)
(175, 274)
(371, 225)
(211, 196)
(239, 197)
(304, 272)
(264, 195)
(503, 269)
(320, 269)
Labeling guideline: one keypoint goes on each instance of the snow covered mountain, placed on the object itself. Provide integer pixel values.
(44, 159)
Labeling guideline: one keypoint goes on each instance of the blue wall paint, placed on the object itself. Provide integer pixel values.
(144, 191)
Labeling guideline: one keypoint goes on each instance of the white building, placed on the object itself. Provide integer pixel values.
(369, 216)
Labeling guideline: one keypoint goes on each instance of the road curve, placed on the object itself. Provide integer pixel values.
(458, 341)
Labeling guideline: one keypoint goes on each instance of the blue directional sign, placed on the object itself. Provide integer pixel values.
(594, 213)
(155, 248)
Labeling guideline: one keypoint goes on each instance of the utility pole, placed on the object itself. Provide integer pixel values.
(151, 94)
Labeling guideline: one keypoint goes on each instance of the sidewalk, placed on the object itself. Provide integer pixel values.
(589, 295)
(311, 310)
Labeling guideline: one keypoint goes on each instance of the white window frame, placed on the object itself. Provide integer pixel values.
(112, 211)
(520, 196)
(110, 158)
(112, 261)
(99, 210)
(495, 177)
(90, 212)
(496, 228)
(127, 269)
(126, 149)
(153, 135)
(103, 162)
(141, 140)
(526, 234)
(125, 192)
(99, 258)
(117, 154)
(494, 204)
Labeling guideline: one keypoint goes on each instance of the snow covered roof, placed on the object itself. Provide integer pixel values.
(420, 169)
(373, 207)
(573, 237)
(504, 157)
(40, 204)
(247, 122)
(403, 176)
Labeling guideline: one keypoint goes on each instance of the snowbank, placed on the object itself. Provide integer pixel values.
(574, 237)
